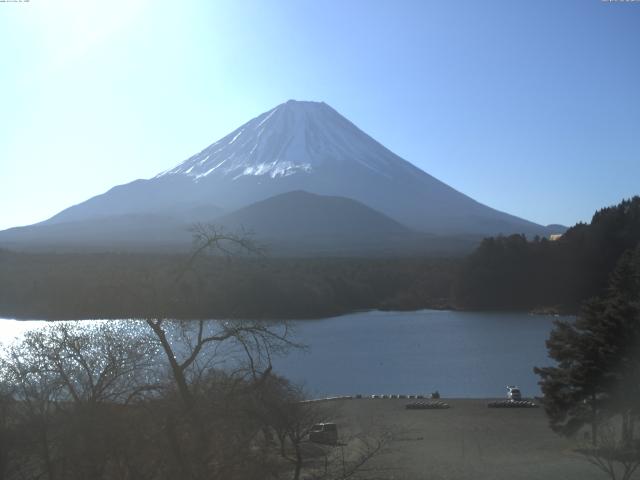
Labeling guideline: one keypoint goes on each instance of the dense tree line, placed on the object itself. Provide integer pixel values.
(596, 380)
(110, 285)
(509, 273)
(515, 273)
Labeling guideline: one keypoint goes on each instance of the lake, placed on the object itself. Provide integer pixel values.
(460, 354)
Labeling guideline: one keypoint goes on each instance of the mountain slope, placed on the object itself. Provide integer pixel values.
(130, 232)
(301, 214)
(295, 223)
(300, 222)
(295, 146)
(305, 146)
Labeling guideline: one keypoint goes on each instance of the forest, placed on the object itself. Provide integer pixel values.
(513, 273)
(503, 273)
(111, 285)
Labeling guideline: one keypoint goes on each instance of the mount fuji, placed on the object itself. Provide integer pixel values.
(296, 146)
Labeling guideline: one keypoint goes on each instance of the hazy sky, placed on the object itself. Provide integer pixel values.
(531, 107)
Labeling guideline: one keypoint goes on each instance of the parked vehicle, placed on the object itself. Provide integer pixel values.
(326, 433)
(513, 393)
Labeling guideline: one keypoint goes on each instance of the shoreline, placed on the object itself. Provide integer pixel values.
(424, 397)
(536, 312)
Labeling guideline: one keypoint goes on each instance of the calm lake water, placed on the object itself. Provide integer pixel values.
(460, 354)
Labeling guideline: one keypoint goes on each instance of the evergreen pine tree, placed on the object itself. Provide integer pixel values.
(597, 375)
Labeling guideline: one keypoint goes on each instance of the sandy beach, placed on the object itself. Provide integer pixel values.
(466, 441)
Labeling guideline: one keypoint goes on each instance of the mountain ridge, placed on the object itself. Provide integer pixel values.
(298, 146)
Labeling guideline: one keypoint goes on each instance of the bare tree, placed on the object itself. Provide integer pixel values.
(285, 411)
(67, 381)
(104, 362)
(614, 454)
(352, 457)
(7, 428)
(291, 418)
(184, 342)
(194, 348)
(164, 399)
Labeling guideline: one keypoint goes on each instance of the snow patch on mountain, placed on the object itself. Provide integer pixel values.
(301, 146)
(293, 138)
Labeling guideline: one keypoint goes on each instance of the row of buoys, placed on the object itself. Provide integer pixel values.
(512, 404)
(360, 396)
(399, 396)
(426, 405)
(375, 397)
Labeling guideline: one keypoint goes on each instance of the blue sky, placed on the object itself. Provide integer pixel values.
(531, 107)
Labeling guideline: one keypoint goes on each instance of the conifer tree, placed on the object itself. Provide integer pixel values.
(597, 375)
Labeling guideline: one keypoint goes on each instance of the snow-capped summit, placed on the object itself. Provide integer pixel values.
(297, 146)
(293, 138)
